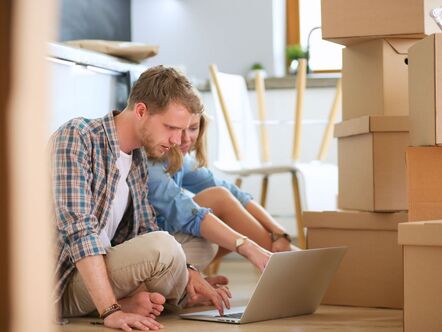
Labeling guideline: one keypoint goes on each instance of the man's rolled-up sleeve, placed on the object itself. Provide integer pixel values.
(72, 194)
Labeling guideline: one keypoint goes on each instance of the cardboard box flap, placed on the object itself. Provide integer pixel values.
(401, 45)
(356, 220)
(421, 233)
(369, 124)
(132, 51)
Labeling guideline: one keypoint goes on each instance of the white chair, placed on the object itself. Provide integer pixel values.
(240, 146)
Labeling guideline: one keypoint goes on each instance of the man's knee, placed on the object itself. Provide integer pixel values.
(155, 247)
(167, 248)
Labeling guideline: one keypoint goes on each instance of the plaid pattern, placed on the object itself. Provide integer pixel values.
(84, 178)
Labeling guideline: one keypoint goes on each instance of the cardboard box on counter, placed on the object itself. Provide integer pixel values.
(425, 86)
(370, 274)
(348, 21)
(422, 250)
(371, 163)
(424, 169)
(375, 78)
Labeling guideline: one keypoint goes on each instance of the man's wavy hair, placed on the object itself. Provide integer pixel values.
(158, 86)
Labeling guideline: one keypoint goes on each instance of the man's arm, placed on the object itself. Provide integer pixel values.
(199, 290)
(94, 274)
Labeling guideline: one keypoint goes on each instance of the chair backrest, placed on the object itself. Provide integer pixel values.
(238, 143)
(299, 108)
(263, 133)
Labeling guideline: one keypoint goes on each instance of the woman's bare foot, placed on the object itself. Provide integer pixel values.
(217, 280)
(143, 303)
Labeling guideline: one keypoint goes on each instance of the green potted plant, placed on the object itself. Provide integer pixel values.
(295, 52)
(257, 66)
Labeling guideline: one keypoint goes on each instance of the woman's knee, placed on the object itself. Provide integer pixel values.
(216, 198)
(220, 192)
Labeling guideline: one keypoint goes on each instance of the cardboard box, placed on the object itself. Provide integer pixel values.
(425, 86)
(370, 274)
(375, 78)
(347, 21)
(371, 163)
(422, 250)
(424, 167)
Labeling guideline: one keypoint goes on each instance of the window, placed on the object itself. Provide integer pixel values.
(304, 21)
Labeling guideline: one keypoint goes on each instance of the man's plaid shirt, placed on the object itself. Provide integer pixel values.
(84, 178)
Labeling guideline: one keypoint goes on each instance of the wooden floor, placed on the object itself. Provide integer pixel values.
(242, 280)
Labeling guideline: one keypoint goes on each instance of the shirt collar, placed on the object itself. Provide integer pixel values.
(111, 133)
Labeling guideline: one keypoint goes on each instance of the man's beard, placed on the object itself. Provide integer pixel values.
(149, 146)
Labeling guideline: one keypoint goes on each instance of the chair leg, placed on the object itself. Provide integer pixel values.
(238, 182)
(298, 209)
(265, 183)
(213, 268)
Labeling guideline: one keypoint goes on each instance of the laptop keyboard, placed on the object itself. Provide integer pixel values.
(235, 315)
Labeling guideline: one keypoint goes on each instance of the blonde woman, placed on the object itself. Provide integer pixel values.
(191, 200)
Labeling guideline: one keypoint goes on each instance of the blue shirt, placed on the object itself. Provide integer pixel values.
(176, 210)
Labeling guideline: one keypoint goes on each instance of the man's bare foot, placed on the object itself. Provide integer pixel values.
(143, 303)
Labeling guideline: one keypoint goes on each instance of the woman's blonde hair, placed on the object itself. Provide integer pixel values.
(174, 160)
(200, 146)
(174, 157)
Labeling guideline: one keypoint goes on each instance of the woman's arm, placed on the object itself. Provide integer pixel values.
(214, 230)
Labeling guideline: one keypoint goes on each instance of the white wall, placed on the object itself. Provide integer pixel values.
(78, 91)
(195, 33)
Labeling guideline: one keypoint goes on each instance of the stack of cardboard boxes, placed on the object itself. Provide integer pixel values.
(422, 241)
(372, 142)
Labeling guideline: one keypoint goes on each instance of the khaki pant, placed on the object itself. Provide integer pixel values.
(155, 261)
(199, 252)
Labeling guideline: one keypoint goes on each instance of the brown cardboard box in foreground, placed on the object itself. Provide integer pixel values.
(425, 86)
(422, 250)
(375, 78)
(347, 21)
(370, 274)
(371, 163)
(424, 177)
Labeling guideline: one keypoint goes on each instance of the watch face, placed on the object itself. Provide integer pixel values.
(239, 242)
(191, 267)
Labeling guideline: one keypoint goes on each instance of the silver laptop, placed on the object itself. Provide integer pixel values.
(293, 283)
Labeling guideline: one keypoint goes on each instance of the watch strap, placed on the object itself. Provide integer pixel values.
(239, 242)
(192, 267)
(277, 236)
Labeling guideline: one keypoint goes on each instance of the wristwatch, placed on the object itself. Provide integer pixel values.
(277, 236)
(239, 242)
(192, 267)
